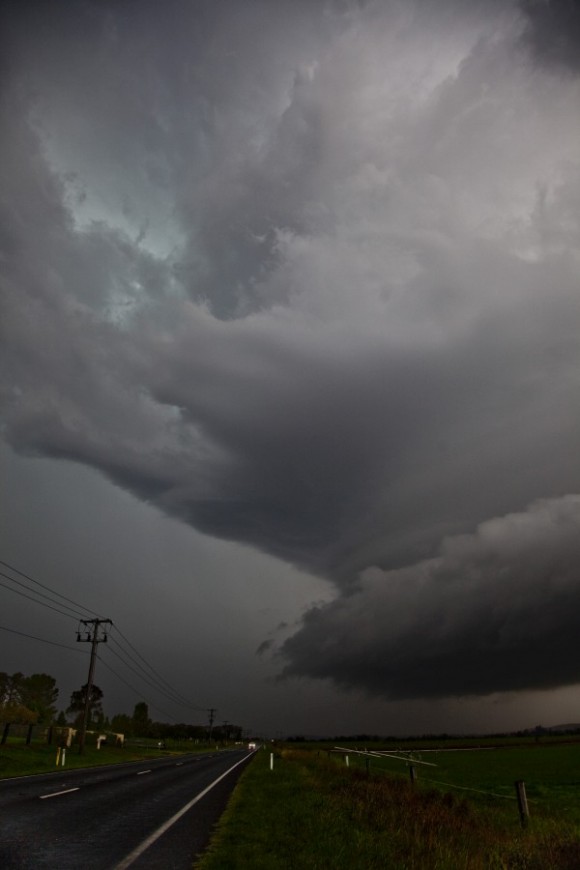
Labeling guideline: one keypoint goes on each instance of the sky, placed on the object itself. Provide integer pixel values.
(290, 358)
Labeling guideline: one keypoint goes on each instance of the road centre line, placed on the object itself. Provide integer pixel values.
(57, 793)
(142, 847)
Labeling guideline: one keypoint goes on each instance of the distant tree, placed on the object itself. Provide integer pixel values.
(141, 720)
(39, 693)
(61, 720)
(122, 723)
(77, 705)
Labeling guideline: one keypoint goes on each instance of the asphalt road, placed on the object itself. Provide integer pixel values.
(156, 814)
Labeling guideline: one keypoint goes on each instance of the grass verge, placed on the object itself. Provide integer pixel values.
(21, 760)
(311, 812)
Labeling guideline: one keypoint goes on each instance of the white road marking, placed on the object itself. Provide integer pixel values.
(136, 853)
(141, 772)
(56, 793)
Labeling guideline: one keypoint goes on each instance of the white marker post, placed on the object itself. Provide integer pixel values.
(271, 761)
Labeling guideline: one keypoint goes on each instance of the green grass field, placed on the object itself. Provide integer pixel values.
(551, 773)
(312, 811)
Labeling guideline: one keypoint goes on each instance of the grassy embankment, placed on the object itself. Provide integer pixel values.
(17, 759)
(312, 811)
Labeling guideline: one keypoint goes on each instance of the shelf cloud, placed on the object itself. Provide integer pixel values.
(494, 611)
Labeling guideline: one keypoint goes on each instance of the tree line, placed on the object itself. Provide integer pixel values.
(32, 701)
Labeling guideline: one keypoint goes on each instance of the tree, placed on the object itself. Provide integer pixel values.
(141, 720)
(122, 723)
(77, 705)
(18, 714)
(39, 693)
(27, 699)
(10, 689)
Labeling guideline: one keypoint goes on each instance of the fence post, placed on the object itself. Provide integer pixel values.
(522, 802)
(346, 760)
(413, 773)
(29, 735)
(5, 734)
(271, 761)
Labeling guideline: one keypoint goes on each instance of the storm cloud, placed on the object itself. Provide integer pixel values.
(305, 276)
(553, 32)
(495, 611)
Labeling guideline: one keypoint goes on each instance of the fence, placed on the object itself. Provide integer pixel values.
(413, 762)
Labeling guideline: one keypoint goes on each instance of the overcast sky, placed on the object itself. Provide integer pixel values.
(290, 356)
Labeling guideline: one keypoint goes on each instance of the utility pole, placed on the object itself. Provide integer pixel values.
(98, 635)
(212, 711)
(226, 732)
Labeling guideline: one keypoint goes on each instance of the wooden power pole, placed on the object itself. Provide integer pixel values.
(95, 635)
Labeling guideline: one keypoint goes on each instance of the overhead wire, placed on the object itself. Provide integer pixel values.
(77, 613)
(183, 700)
(48, 588)
(43, 640)
(119, 677)
(145, 672)
(145, 679)
(152, 676)
(35, 600)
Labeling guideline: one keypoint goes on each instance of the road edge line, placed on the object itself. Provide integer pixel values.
(148, 841)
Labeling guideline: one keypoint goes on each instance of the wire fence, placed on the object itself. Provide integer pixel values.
(412, 762)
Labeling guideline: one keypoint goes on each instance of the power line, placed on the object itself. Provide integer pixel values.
(36, 601)
(158, 684)
(157, 674)
(85, 652)
(41, 594)
(146, 680)
(42, 639)
(137, 692)
(151, 676)
(48, 588)
(146, 674)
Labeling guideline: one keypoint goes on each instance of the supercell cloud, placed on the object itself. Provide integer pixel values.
(305, 276)
(496, 610)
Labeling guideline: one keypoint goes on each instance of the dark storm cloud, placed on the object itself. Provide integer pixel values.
(553, 32)
(304, 277)
(495, 611)
(264, 647)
